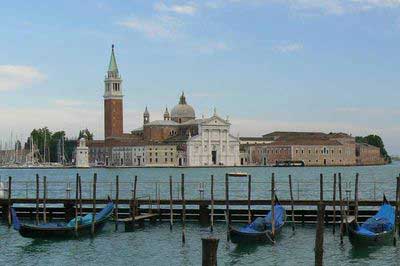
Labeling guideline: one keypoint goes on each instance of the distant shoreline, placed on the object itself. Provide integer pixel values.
(183, 167)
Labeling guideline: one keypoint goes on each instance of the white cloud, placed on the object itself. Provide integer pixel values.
(155, 27)
(185, 9)
(289, 47)
(326, 7)
(13, 77)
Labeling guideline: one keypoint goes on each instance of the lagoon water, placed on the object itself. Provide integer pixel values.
(157, 245)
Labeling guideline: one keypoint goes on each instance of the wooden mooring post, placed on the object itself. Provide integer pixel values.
(273, 207)
(341, 208)
(80, 195)
(209, 251)
(291, 201)
(183, 208)
(76, 203)
(334, 203)
(212, 204)
(356, 199)
(171, 210)
(132, 207)
(398, 207)
(227, 216)
(116, 201)
(319, 238)
(44, 199)
(158, 202)
(94, 204)
(396, 223)
(37, 199)
(249, 200)
(9, 200)
(321, 187)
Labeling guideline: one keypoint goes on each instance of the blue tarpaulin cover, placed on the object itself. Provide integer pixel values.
(87, 219)
(380, 222)
(262, 224)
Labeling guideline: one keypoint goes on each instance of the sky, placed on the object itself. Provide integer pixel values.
(300, 65)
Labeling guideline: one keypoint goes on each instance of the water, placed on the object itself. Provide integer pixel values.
(156, 245)
(374, 181)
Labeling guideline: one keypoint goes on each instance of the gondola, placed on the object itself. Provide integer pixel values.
(64, 230)
(377, 230)
(259, 230)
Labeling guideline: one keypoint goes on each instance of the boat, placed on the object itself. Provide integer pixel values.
(260, 229)
(238, 174)
(377, 230)
(64, 230)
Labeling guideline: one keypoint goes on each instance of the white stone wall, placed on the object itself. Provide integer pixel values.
(129, 156)
(82, 154)
(213, 137)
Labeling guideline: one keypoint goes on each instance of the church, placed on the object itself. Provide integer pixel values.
(178, 139)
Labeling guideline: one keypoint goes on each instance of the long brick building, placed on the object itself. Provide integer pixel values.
(308, 149)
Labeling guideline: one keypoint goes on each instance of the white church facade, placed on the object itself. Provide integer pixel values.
(213, 145)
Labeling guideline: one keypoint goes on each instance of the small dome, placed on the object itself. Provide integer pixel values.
(182, 111)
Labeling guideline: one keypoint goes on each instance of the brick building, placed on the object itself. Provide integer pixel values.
(368, 154)
(309, 148)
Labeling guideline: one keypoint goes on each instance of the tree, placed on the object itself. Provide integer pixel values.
(85, 133)
(376, 141)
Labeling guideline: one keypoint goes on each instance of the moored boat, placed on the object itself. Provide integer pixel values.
(260, 230)
(377, 230)
(64, 230)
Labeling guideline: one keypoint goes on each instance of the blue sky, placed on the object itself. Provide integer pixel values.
(268, 64)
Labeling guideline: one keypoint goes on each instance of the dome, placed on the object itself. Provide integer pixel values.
(182, 112)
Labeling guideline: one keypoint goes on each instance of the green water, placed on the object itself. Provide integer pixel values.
(157, 245)
(374, 181)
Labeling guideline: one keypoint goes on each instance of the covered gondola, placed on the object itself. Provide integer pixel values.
(377, 230)
(64, 230)
(260, 230)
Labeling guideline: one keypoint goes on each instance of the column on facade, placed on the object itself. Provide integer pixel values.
(220, 147)
(227, 154)
(202, 148)
(209, 147)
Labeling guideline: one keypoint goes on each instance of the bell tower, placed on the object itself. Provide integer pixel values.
(113, 105)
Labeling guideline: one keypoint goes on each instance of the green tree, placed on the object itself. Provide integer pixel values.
(50, 145)
(376, 141)
(85, 133)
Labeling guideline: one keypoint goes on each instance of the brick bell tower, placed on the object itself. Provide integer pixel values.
(113, 111)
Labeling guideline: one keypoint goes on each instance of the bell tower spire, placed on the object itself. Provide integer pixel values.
(113, 100)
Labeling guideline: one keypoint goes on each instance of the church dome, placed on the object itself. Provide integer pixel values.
(182, 112)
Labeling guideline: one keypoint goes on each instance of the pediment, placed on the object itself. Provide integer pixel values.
(215, 121)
